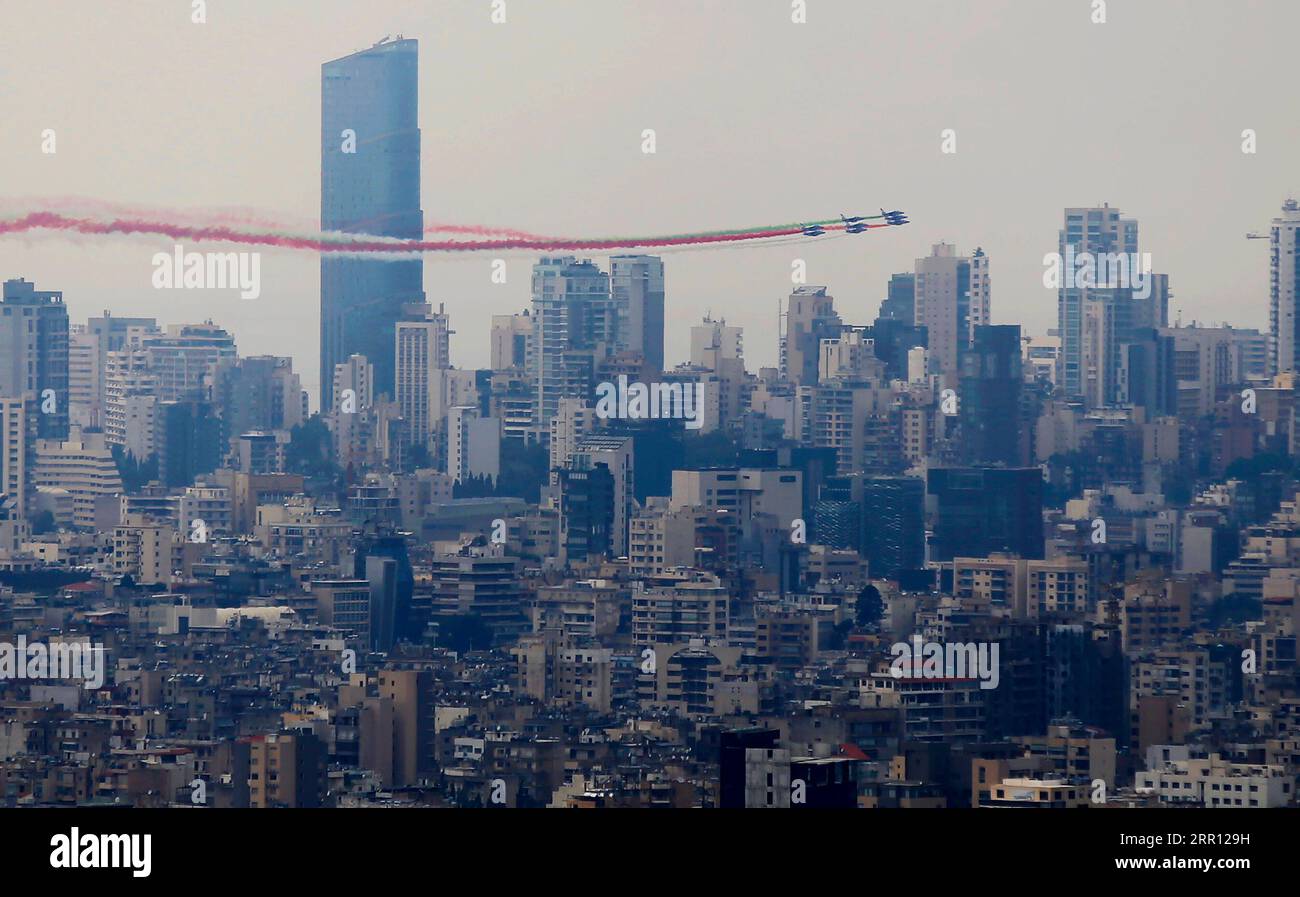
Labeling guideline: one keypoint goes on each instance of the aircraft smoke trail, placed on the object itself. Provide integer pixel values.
(235, 216)
(480, 231)
(222, 228)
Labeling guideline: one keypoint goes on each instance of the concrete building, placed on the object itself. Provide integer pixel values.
(952, 299)
(690, 609)
(660, 539)
(1043, 794)
(84, 467)
(1284, 291)
(809, 318)
(286, 770)
(144, 550)
(473, 444)
(185, 359)
(512, 337)
(345, 604)
(18, 432)
(1213, 782)
(615, 453)
(636, 287)
(422, 352)
(744, 491)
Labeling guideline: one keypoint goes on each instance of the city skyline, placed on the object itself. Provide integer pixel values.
(538, 454)
(1000, 164)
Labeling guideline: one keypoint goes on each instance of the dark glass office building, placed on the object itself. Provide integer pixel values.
(192, 436)
(991, 382)
(893, 514)
(980, 510)
(587, 509)
(370, 184)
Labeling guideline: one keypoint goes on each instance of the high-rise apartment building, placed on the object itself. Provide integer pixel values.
(356, 374)
(185, 359)
(809, 318)
(17, 441)
(127, 377)
(1284, 290)
(88, 358)
(34, 353)
(615, 453)
(900, 299)
(473, 444)
(951, 298)
(1091, 230)
(423, 352)
(511, 336)
(636, 286)
(573, 330)
(83, 466)
(286, 770)
(351, 422)
(259, 393)
(1105, 297)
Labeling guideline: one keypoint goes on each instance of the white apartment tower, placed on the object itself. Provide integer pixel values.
(423, 350)
(952, 298)
(1284, 291)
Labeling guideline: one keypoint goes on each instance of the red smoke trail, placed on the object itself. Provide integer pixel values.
(480, 231)
(234, 216)
(79, 206)
(350, 244)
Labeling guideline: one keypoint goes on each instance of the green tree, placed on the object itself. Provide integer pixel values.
(135, 474)
(464, 632)
(525, 468)
(870, 606)
(43, 523)
(705, 450)
(311, 450)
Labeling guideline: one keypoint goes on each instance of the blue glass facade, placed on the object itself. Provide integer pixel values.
(374, 189)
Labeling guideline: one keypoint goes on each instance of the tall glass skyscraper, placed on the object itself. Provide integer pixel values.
(369, 184)
(34, 353)
(1094, 321)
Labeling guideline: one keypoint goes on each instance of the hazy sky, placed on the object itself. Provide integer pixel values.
(536, 124)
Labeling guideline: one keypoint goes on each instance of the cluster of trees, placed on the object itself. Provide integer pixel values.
(311, 450)
(525, 469)
(135, 474)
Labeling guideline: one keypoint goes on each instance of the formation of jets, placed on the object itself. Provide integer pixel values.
(856, 224)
